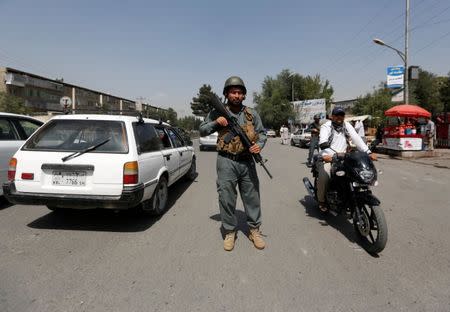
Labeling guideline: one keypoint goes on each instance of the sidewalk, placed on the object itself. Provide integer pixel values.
(441, 160)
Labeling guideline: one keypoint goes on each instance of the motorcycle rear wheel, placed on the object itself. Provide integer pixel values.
(372, 230)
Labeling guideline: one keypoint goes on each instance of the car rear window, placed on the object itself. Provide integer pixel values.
(147, 139)
(76, 135)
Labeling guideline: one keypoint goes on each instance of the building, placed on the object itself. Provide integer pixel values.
(42, 95)
(347, 105)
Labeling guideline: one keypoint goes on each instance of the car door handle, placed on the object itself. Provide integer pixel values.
(181, 153)
(167, 156)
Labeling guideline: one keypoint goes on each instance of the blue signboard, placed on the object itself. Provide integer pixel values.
(395, 76)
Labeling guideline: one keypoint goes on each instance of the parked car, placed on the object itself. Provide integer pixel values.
(100, 161)
(209, 141)
(14, 130)
(301, 138)
(271, 133)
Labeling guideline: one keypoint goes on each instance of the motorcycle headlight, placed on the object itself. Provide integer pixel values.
(366, 175)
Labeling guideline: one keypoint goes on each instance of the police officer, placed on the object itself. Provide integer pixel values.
(314, 143)
(235, 165)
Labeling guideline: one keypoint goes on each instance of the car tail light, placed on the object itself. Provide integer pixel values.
(27, 176)
(12, 169)
(130, 173)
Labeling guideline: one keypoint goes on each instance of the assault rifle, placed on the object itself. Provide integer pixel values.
(236, 130)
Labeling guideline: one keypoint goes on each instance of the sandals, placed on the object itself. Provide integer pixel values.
(323, 207)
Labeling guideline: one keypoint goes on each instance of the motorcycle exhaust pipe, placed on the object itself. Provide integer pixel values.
(309, 187)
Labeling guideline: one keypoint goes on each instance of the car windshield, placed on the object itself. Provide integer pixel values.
(77, 135)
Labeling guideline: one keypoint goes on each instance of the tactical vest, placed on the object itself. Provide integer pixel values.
(235, 146)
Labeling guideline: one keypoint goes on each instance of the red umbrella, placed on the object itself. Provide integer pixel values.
(407, 110)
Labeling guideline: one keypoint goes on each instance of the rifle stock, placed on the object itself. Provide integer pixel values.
(236, 129)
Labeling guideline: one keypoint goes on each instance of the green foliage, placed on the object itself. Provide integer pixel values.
(169, 115)
(274, 110)
(374, 103)
(273, 102)
(189, 123)
(445, 93)
(427, 91)
(200, 104)
(13, 104)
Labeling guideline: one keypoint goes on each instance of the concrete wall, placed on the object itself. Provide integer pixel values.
(2, 79)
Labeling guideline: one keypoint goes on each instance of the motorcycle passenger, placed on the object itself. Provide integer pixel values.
(314, 143)
(334, 137)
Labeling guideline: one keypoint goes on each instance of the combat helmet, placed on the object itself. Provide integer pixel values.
(234, 81)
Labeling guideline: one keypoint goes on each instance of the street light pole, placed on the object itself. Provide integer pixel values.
(403, 55)
(292, 85)
(406, 75)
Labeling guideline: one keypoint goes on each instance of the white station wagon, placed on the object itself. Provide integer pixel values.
(100, 161)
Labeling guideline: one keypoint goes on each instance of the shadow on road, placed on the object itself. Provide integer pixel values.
(4, 203)
(242, 223)
(340, 223)
(105, 220)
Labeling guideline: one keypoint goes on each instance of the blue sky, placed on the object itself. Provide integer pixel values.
(165, 50)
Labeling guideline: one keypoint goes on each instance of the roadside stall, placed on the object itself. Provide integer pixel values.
(402, 131)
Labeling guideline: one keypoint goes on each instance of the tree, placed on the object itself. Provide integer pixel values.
(426, 91)
(200, 104)
(273, 102)
(274, 110)
(189, 123)
(445, 93)
(13, 104)
(169, 115)
(374, 103)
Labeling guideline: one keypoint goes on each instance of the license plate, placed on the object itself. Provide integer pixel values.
(69, 178)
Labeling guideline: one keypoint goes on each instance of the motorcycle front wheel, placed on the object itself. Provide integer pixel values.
(371, 229)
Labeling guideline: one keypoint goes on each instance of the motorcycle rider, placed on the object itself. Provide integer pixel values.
(334, 137)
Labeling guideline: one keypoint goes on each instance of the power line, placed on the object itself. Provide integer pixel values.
(432, 43)
(359, 32)
(385, 35)
(431, 18)
(398, 38)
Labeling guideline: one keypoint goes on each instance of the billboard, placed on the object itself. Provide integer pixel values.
(395, 76)
(305, 110)
(398, 97)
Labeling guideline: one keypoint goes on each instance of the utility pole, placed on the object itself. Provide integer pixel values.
(403, 55)
(406, 75)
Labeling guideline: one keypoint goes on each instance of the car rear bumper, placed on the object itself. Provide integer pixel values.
(130, 197)
(208, 143)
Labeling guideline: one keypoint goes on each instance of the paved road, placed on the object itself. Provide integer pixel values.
(102, 261)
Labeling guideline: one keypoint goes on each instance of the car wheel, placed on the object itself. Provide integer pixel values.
(157, 205)
(192, 173)
(292, 143)
(201, 148)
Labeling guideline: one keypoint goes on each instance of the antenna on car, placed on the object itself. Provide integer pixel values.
(140, 118)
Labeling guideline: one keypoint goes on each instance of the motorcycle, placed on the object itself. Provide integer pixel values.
(351, 176)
